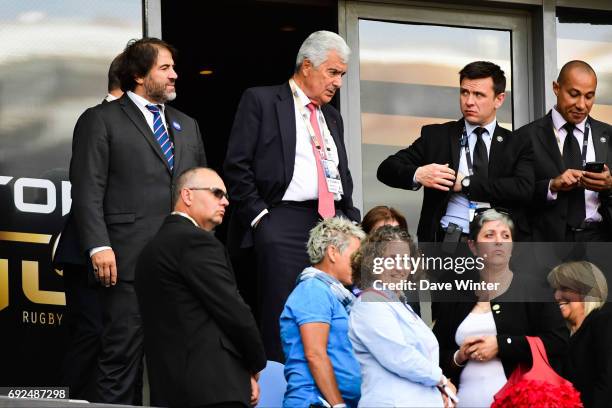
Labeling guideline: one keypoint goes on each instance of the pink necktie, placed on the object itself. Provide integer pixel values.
(326, 199)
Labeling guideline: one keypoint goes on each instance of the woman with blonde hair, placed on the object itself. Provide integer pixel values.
(581, 291)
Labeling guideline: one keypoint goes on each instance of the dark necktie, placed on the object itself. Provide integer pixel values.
(576, 211)
(481, 159)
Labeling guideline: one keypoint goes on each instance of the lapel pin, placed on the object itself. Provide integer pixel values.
(495, 307)
(500, 139)
(176, 125)
(602, 139)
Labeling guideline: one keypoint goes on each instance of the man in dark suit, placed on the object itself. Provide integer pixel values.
(283, 139)
(126, 154)
(201, 340)
(571, 204)
(465, 165)
(83, 313)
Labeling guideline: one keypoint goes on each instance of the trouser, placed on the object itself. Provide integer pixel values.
(120, 367)
(84, 326)
(280, 246)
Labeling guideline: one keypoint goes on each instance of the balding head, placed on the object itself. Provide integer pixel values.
(575, 91)
(582, 66)
(200, 193)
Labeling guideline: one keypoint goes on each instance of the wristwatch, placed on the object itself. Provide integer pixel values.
(465, 185)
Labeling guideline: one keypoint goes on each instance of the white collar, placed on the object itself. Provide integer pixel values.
(143, 102)
(182, 214)
(559, 121)
(489, 127)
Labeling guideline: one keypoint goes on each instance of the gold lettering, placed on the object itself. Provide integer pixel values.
(30, 283)
(4, 284)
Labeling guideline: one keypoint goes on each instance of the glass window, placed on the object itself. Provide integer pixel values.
(587, 35)
(409, 77)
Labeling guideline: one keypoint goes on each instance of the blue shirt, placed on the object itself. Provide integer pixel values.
(313, 302)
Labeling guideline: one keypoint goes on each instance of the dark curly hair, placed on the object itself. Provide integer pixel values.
(375, 246)
(139, 56)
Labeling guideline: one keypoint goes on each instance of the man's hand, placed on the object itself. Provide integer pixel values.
(597, 181)
(254, 391)
(458, 187)
(105, 267)
(566, 181)
(438, 176)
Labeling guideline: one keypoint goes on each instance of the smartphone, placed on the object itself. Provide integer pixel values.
(594, 167)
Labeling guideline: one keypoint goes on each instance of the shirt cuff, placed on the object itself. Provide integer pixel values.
(415, 184)
(95, 250)
(550, 196)
(261, 214)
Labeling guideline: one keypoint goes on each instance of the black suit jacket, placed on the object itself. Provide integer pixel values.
(547, 218)
(201, 340)
(121, 183)
(261, 156)
(589, 362)
(513, 320)
(509, 185)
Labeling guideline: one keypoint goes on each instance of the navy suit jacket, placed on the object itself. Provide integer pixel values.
(261, 156)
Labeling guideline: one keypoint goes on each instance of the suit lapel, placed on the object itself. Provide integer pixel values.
(178, 142)
(456, 131)
(547, 138)
(135, 115)
(285, 112)
(600, 141)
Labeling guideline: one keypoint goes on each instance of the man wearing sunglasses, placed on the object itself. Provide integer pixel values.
(201, 341)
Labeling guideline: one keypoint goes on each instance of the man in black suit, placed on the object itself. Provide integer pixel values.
(201, 340)
(468, 164)
(125, 156)
(83, 312)
(571, 204)
(283, 139)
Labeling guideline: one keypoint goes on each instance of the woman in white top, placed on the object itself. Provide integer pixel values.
(482, 339)
(397, 352)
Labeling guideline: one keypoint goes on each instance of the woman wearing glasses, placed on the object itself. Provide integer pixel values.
(581, 291)
(482, 339)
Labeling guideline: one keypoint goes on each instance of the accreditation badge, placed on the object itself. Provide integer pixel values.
(332, 177)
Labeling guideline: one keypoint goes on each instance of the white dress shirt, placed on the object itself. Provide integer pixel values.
(458, 209)
(304, 184)
(591, 198)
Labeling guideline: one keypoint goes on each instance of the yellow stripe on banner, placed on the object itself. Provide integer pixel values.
(25, 237)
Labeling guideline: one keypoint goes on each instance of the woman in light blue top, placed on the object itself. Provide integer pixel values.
(396, 350)
(320, 366)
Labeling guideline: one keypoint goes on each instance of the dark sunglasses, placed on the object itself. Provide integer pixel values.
(217, 192)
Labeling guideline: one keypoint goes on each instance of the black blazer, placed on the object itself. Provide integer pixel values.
(547, 218)
(201, 340)
(261, 156)
(509, 185)
(121, 184)
(589, 361)
(514, 320)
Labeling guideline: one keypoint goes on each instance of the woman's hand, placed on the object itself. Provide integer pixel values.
(484, 350)
(448, 403)
(463, 354)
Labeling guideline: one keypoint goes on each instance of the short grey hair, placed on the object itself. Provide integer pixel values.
(487, 216)
(185, 178)
(332, 231)
(317, 47)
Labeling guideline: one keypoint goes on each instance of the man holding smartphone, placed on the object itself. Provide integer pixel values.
(572, 164)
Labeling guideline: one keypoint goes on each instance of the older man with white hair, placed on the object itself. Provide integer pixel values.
(287, 168)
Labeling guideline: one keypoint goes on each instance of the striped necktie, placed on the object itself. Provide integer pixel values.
(161, 135)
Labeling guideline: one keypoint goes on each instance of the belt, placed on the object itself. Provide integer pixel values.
(312, 204)
(586, 226)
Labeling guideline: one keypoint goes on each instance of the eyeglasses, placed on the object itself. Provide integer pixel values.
(217, 192)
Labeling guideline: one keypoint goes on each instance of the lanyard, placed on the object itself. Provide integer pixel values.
(465, 144)
(585, 141)
(313, 136)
